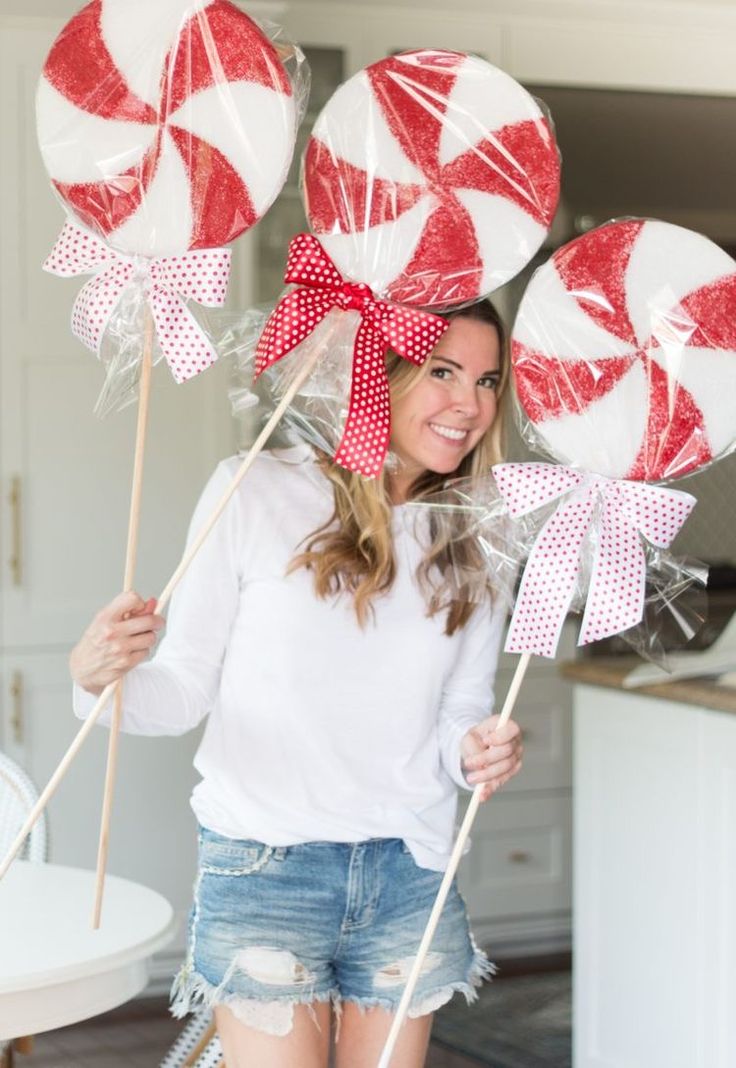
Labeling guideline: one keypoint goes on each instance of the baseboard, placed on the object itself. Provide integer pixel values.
(528, 936)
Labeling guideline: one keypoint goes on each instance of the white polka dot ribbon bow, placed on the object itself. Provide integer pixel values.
(614, 514)
(411, 333)
(200, 275)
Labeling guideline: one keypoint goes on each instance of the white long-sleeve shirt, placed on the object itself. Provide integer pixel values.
(318, 729)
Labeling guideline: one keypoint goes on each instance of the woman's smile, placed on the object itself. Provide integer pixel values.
(451, 434)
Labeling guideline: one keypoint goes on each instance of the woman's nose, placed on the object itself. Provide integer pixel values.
(466, 400)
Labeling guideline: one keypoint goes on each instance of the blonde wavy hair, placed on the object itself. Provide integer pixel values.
(353, 552)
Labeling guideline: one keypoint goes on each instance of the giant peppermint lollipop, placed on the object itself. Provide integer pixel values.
(624, 356)
(165, 125)
(432, 177)
(624, 351)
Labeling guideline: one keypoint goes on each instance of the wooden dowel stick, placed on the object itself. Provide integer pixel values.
(255, 449)
(449, 875)
(131, 555)
(56, 778)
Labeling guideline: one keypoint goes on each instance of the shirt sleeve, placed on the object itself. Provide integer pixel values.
(468, 694)
(174, 691)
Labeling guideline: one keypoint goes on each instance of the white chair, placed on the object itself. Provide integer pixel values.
(197, 1046)
(18, 795)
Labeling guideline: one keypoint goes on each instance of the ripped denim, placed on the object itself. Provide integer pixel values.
(274, 927)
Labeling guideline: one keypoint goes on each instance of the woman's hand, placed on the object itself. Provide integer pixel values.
(491, 756)
(118, 638)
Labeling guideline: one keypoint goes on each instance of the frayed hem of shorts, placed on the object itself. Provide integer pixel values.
(481, 970)
(191, 993)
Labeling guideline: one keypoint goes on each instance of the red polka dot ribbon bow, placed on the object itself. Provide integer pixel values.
(614, 514)
(411, 333)
(200, 275)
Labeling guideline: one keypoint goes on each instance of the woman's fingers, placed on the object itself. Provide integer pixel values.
(141, 624)
(119, 638)
(492, 755)
(494, 769)
(125, 604)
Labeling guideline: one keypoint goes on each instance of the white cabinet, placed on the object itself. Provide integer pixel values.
(517, 877)
(655, 883)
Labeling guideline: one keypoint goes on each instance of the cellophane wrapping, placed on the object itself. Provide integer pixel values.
(624, 352)
(318, 412)
(467, 513)
(166, 127)
(432, 177)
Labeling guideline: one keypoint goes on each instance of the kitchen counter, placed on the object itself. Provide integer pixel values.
(610, 672)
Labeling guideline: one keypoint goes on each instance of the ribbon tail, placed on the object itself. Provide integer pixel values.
(367, 432)
(618, 581)
(184, 344)
(95, 304)
(549, 579)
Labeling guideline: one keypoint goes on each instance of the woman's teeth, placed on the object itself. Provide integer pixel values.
(449, 432)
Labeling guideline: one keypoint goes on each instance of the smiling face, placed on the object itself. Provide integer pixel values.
(446, 412)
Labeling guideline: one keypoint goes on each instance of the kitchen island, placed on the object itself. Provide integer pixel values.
(654, 900)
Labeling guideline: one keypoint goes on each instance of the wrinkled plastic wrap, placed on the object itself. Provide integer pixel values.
(475, 514)
(624, 352)
(675, 606)
(468, 525)
(431, 176)
(165, 128)
(318, 413)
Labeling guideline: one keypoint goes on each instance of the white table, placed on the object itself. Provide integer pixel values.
(54, 969)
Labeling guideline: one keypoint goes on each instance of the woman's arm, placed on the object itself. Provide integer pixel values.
(471, 750)
(172, 692)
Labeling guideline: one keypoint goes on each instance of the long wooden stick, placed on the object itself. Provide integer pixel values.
(446, 883)
(56, 778)
(131, 555)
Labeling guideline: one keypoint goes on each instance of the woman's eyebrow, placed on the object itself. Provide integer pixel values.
(446, 359)
(491, 373)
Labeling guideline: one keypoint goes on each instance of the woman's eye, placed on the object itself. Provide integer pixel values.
(489, 382)
(441, 372)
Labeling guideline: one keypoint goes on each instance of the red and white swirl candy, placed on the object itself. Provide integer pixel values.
(165, 125)
(624, 351)
(432, 177)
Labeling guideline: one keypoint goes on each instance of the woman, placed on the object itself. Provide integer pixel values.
(349, 686)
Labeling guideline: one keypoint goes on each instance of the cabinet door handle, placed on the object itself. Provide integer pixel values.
(16, 532)
(519, 856)
(16, 716)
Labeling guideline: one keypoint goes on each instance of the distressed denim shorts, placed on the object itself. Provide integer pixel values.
(272, 927)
